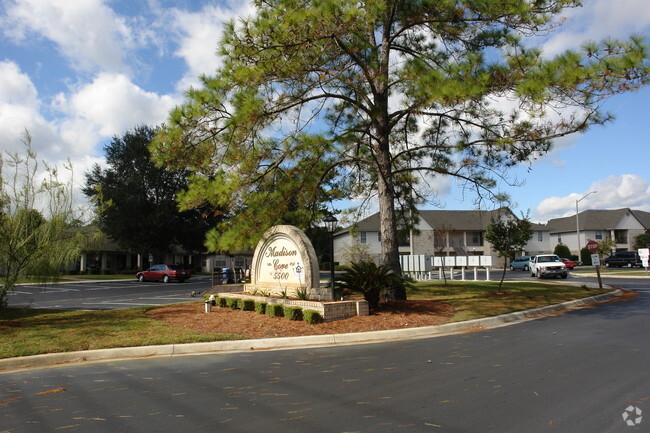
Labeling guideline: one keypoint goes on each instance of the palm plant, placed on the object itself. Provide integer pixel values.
(375, 282)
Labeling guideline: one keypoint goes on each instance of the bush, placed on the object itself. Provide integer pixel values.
(274, 310)
(128, 272)
(292, 313)
(585, 256)
(562, 251)
(232, 303)
(302, 293)
(260, 307)
(247, 304)
(312, 317)
(373, 281)
(222, 302)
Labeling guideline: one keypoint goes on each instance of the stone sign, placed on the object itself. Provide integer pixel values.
(285, 260)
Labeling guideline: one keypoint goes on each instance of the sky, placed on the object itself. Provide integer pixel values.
(76, 73)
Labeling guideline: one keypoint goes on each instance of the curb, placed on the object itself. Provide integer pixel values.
(68, 358)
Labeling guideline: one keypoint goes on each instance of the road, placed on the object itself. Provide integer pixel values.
(576, 372)
(102, 295)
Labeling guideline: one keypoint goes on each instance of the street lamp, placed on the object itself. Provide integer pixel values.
(330, 223)
(577, 221)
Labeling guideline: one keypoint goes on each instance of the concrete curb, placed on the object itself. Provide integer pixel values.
(67, 358)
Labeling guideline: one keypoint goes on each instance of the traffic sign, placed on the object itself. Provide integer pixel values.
(644, 253)
(595, 260)
(592, 246)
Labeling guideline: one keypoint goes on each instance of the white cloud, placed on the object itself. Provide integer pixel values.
(199, 34)
(20, 111)
(86, 32)
(614, 192)
(111, 105)
(600, 19)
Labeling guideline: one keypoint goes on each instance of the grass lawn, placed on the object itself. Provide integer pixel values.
(31, 332)
(612, 272)
(473, 300)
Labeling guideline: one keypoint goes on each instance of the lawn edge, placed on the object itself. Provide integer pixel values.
(309, 341)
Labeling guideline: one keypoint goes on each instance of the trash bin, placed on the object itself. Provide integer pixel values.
(228, 276)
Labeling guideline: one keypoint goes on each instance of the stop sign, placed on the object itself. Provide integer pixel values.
(592, 246)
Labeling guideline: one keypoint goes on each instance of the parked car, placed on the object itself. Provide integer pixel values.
(624, 258)
(164, 273)
(521, 263)
(570, 264)
(547, 265)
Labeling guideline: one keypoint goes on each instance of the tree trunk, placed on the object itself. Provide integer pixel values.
(503, 275)
(385, 183)
(387, 223)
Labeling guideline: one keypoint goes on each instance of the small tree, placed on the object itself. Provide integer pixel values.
(357, 252)
(606, 246)
(508, 236)
(442, 238)
(37, 226)
(562, 250)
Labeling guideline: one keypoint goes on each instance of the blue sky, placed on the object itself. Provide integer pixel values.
(77, 72)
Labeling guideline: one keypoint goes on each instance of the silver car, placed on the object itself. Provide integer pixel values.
(521, 263)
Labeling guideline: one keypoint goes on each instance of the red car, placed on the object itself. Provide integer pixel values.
(570, 264)
(164, 273)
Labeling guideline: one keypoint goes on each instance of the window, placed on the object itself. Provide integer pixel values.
(599, 236)
(379, 237)
(220, 262)
(240, 262)
(559, 238)
(403, 239)
(363, 237)
(477, 239)
(620, 236)
(540, 236)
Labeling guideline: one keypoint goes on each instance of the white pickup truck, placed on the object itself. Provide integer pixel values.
(547, 265)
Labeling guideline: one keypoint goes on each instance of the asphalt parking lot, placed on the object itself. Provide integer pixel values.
(106, 295)
(118, 294)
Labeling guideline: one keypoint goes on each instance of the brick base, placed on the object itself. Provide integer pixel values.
(329, 310)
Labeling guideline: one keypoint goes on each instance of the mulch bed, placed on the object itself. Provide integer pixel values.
(249, 324)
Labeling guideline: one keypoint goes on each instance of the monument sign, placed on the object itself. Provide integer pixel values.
(285, 261)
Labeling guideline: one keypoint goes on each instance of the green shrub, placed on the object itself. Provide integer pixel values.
(222, 302)
(312, 317)
(274, 310)
(247, 304)
(292, 313)
(128, 272)
(373, 281)
(260, 307)
(233, 303)
(562, 251)
(302, 293)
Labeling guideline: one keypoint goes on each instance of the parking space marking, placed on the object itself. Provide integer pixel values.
(118, 303)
